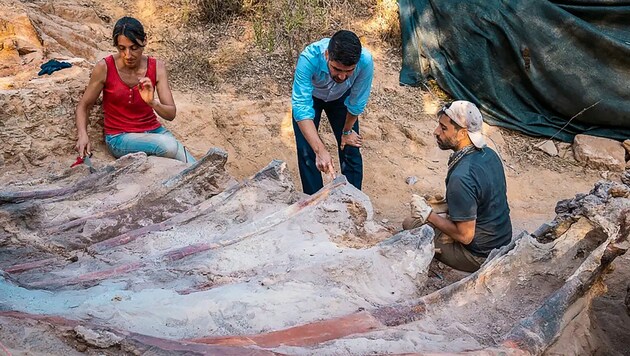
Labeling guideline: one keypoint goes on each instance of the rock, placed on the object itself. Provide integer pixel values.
(548, 147)
(619, 191)
(565, 151)
(98, 338)
(625, 177)
(626, 145)
(411, 180)
(599, 153)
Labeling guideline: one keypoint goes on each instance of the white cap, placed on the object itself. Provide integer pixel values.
(466, 115)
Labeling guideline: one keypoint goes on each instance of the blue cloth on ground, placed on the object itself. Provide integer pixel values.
(53, 65)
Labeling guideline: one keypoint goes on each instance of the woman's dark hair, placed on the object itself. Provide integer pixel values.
(130, 28)
(344, 47)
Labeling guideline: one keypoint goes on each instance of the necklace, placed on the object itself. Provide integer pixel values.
(455, 157)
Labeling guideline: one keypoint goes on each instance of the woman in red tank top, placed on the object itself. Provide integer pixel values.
(128, 80)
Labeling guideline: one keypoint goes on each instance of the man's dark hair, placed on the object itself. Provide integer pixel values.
(130, 28)
(344, 47)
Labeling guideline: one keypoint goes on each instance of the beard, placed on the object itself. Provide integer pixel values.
(446, 144)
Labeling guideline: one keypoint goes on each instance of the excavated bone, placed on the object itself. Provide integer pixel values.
(206, 178)
(90, 183)
(518, 303)
(252, 267)
(306, 259)
(206, 207)
(538, 331)
(33, 335)
(272, 172)
(85, 183)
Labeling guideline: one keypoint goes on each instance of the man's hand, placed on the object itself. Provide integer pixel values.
(353, 139)
(323, 161)
(83, 145)
(145, 87)
(420, 209)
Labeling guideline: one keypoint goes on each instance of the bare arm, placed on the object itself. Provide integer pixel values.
(461, 231)
(165, 107)
(92, 91)
(323, 160)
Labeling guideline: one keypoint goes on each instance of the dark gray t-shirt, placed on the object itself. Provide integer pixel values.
(476, 190)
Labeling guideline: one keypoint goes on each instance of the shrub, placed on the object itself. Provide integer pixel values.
(214, 11)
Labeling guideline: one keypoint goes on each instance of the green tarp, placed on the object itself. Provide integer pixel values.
(530, 65)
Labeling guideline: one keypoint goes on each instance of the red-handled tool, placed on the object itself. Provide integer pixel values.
(84, 160)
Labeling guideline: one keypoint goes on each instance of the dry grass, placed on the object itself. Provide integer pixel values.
(272, 33)
(289, 25)
(213, 11)
(186, 55)
(385, 22)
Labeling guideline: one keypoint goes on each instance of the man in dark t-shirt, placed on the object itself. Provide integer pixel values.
(478, 218)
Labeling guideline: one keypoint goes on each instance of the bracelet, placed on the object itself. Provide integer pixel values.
(347, 132)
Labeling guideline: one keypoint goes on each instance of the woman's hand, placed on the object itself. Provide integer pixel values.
(83, 146)
(146, 89)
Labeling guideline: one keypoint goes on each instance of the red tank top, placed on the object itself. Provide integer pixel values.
(123, 108)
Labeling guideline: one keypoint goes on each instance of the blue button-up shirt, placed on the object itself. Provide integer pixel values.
(312, 79)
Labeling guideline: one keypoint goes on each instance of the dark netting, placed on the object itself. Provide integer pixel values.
(530, 65)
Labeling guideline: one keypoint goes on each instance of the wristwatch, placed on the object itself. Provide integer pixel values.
(348, 132)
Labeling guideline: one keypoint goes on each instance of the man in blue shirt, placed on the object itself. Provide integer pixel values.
(478, 218)
(333, 75)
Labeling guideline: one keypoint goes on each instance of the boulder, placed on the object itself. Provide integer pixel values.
(599, 153)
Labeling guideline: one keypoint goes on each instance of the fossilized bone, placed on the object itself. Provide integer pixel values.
(255, 228)
(530, 335)
(131, 342)
(207, 177)
(204, 179)
(516, 304)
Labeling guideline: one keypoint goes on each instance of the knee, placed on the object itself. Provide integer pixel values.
(352, 155)
(351, 151)
(167, 147)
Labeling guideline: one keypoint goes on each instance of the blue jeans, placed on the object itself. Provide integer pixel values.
(350, 158)
(159, 142)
